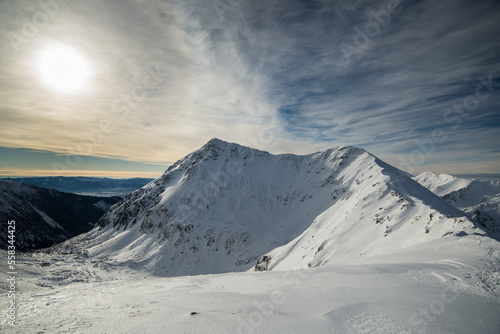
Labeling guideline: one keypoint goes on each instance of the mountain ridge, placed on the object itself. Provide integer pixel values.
(224, 206)
(47, 216)
(478, 199)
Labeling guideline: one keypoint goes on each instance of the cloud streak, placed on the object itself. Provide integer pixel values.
(169, 75)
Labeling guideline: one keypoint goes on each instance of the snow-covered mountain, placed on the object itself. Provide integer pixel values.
(46, 216)
(479, 199)
(441, 184)
(348, 243)
(226, 208)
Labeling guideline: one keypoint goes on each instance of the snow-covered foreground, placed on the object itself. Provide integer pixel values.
(442, 286)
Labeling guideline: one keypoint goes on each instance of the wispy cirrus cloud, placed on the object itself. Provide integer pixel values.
(169, 75)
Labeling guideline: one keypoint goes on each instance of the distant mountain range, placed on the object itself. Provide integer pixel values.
(44, 217)
(91, 186)
(227, 207)
(495, 177)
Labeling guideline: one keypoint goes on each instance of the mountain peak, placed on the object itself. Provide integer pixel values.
(224, 206)
(441, 184)
(217, 144)
(217, 141)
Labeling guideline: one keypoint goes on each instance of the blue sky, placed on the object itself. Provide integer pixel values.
(414, 82)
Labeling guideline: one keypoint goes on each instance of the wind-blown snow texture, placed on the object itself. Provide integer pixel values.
(479, 199)
(223, 207)
(449, 285)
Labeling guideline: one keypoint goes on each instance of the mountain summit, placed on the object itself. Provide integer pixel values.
(226, 207)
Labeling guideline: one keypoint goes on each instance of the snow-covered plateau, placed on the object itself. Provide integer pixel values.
(235, 240)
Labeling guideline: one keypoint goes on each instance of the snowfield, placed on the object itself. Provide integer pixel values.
(436, 287)
(235, 240)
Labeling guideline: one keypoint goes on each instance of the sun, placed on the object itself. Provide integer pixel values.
(64, 69)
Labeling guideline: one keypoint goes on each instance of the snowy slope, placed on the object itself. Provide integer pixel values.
(224, 206)
(479, 199)
(441, 184)
(442, 286)
(44, 217)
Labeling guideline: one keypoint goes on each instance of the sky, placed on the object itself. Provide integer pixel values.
(415, 83)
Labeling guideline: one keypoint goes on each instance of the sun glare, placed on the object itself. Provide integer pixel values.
(63, 69)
